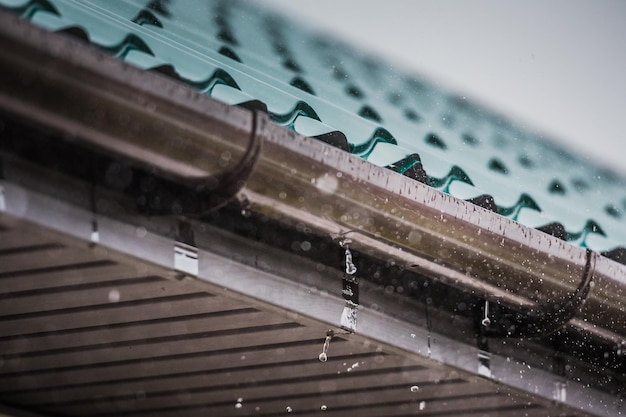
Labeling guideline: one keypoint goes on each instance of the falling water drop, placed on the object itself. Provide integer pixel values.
(350, 267)
(415, 388)
(327, 184)
(422, 405)
(486, 321)
(323, 407)
(289, 409)
(323, 357)
(140, 231)
(238, 405)
(244, 203)
(114, 296)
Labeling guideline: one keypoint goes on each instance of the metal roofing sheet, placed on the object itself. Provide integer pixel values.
(318, 87)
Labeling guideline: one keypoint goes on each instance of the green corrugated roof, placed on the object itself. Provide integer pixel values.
(241, 54)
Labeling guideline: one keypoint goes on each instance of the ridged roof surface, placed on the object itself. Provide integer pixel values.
(240, 54)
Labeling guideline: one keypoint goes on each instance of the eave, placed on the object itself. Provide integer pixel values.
(107, 107)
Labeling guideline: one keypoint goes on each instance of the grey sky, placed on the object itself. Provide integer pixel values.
(556, 66)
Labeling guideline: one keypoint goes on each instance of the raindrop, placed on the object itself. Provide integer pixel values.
(141, 231)
(327, 184)
(350, 267)
(244, 203)
(323, 407)
(225, 158)
(422, 405)
(289, 409)
(415, 388)
(323, 357)
(114, 296)
(486, 321)
(238, 405)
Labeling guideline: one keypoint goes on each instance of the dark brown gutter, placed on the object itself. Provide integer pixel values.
(149, 120)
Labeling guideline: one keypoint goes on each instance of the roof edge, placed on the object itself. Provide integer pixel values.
(107, 105)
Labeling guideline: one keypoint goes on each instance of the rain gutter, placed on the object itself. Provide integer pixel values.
(224, 153)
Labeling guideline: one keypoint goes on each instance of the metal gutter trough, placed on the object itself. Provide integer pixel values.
(162, 253)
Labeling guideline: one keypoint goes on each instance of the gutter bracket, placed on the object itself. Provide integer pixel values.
(541, 322)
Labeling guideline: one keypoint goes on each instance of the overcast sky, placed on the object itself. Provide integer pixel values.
(557, 66)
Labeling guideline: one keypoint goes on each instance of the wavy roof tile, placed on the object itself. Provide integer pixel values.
(242, 55)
